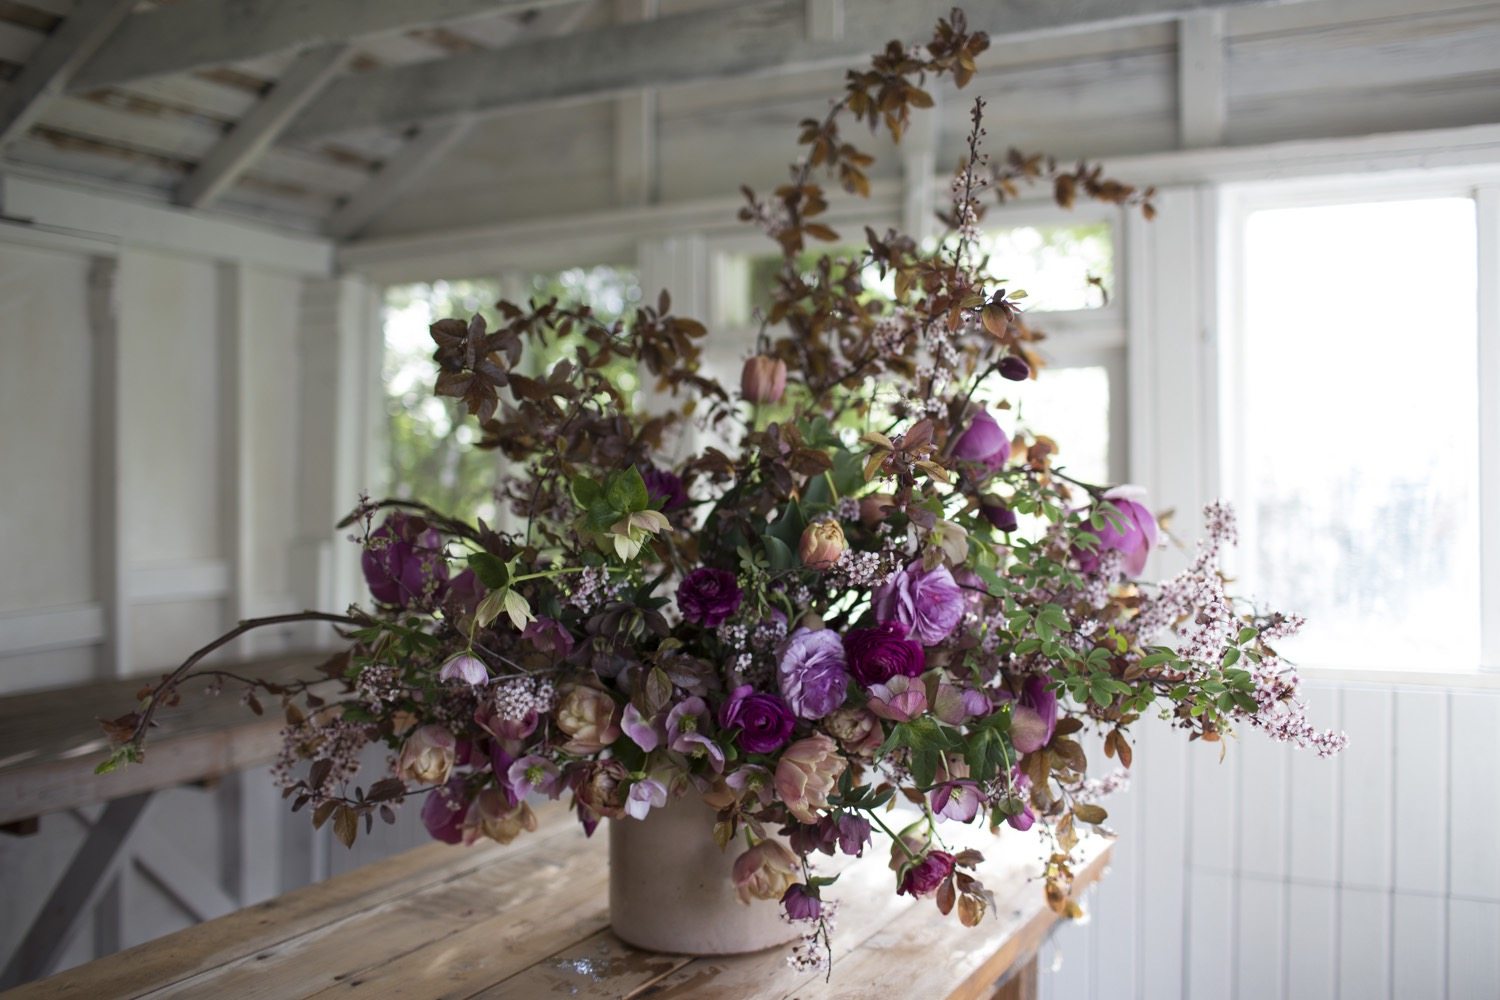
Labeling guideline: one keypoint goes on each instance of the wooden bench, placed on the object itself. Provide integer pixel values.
(50, 743)
(531, 920)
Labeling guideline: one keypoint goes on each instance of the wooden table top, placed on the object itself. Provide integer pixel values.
(531, 920)
(50, 741)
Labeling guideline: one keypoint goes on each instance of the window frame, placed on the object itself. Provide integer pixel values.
(1236, 202)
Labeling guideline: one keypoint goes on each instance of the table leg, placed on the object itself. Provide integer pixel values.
(1021, 984)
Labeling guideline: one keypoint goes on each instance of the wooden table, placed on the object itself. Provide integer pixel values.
(50, 743)
(531, 920)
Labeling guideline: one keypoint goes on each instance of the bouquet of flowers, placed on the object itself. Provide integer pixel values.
(872, 587)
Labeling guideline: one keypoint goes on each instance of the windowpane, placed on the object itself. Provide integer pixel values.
(1070, 406)
(1360, 423)
(1053, 265)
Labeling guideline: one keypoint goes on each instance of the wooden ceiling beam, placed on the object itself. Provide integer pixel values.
(55, 62)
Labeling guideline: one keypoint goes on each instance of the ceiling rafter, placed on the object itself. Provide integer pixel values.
(55, 62)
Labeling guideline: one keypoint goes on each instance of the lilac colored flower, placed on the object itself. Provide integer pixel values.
(1133, 538)
(854, 834)
(404, 564)
(983, 442)
(708, 596)
(1024, 819)
(900, 699)
(877, 654)
(752, 780)
(958, 800)
(645, 795)
(648, 734)
(548, 635)
(927, 874)
(801, 902)
(1034, 717)
(665, 487)
(811, 672)
(444, 810)
(488, 718)
(930, 604)
(534, 774)
(764, 721)
(951, 706)
(1000, 516)
(687, 725)
(465, 667)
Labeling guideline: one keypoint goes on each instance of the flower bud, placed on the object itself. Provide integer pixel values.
(999, 514)
(589, 717)
(822, 544)
(427, 756)
(763, 379)
(765, 871)
(1014, 368)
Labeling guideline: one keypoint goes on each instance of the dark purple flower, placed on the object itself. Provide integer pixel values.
(877, 654)
(983, 442)
(927, 874)
(1034, 717)
(464, 593)
(930, 604)
(665, 487)
(1014, 368)
(801, 902)
(811, 672)
(403, 563)
(443, 812)
(549, 635)
(1000, 516)
(708, 596)
(804, 838)
(854, 834)
(764, 721)
(1130, 529)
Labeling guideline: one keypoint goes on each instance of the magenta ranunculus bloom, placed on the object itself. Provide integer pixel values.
(444, 810)
(877, 654)
(927, 874)
(1034, 717)
(709, 596)
(404, 564)
(811, 672)
(801, 903)
(930, 604)
(665, 487)
(984, 442)
(1135, 536)
(764, 721)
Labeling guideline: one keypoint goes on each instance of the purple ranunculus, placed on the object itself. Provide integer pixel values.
(666, 487)
(930, 604)
(687, 725)
(1130, 529)
(983, 442)
(764, 721)
(548, 635)
(801, 902)
(444, 810)
(1034, 717)
(404, 563)
(465, 667)
(811, 672)
(708, 596)
(877, 654)
(927, 874)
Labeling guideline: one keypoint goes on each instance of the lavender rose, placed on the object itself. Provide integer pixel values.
(877, 654)
(764, 721)
(709, 596)
(665, 487)
(404, 562)
(930, 604)
(1135, 536)
(983, 442)
(811, 672)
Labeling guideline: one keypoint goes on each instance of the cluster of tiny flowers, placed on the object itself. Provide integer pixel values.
(1196, 595)
(1281, 626)
(335, 740)
(859, 570)
(1281, 715)
(735, 635)
(379, 685)
(1111, 570)
(1095, 789)
(515, 698)
(812, 953)
(889, 336)
(590, 589)
(768, 634)
(847, 509)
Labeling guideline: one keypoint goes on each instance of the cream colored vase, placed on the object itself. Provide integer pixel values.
(670, 887)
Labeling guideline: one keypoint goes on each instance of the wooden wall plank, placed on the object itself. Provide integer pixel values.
(1421, 760)
(1210, 935)
(1474, 814)
(1161, 758)
(1366, 788)
(1419, 955)
(1260, 936)
(1313, 816)
(1473, 954)
(1311, 942)
(1364, 944)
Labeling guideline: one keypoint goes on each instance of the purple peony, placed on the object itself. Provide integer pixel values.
(708, 596)
(811, 672)
(665, 487)
(764, 721)
(927, 874)
(1133, 538)
(983, 442)
(444, 810)
(877, 654)
(1034, 717)
(403, 563)
(930, 604)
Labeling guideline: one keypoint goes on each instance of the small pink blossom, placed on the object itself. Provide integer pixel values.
(899, 699)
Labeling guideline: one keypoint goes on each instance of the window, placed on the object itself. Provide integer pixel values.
(1060, 267)
(1355, 426)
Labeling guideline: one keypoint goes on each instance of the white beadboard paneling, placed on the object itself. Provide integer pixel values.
(1072, 958)
(1473, 950)
(1211, 942)
(1117, 898)
(1212, 817)
(1260, 939)
(1161, 843)
(1313, 820)
(1311, 942)
(1365, 795)
(1263, 791)
(1419, 957)
(1474, 814)
(1364, 944)
(1421, 795)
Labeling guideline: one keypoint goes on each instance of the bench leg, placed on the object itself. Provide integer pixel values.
(1022, 982)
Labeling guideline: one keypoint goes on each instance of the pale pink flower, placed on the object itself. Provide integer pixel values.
(806, 773)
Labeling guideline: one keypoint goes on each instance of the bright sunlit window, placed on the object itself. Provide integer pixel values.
(1059, 267)
(1358, 445)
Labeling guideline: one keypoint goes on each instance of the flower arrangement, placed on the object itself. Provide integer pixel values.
(873, 588)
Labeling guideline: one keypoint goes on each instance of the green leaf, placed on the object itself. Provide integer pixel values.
(790, 525)
(781, 555)
(626, 491)
(490, 569)
(1231, 658)
(586, 492)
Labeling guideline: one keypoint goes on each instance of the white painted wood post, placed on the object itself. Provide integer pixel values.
(1202, 108)
(109, 523)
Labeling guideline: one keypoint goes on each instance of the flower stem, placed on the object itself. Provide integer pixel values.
(901, 843)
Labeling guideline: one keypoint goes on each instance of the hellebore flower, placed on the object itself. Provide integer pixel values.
(806, 773)
(549, 635)
(983, 442)
(927, 874)
(687, 725)
(750, 780)
(427, 756)
(821, 545)
(1133, 538)
(444, 810)
(764, 721)
(496, 815)
(708, 596)
(765, 871)
(801, 902)
(1034, 717)
(877, 654)
(465, 667)
(403, 565)
(645, 795)
(533, 774)
(648, 734)
(763, 379)
(811, 672)
(900, 699)
(856, 728)
(930, 604)
(629, 533)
